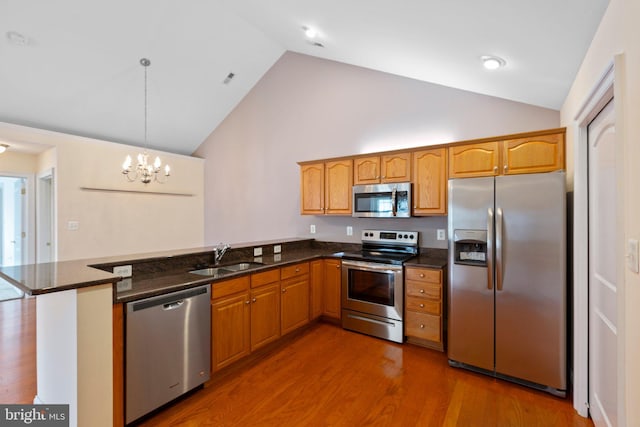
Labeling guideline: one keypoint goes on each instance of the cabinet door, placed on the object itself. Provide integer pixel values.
(534, 154)
(396, 167)
(332, 288)
(294, 303)
(265, 315)
(312, 189)
(316, 279)
(338, 183)
(466, 161)
(366, 170)
(430, 182)
(230, 330)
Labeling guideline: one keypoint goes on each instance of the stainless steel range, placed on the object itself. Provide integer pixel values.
(373, 285)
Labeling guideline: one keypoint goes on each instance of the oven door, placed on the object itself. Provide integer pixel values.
(373, 288)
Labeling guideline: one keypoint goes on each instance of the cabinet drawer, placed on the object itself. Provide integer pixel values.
(423, 305)
(421, 289)
(425, 326)
(265, 277)
(229, 287)
(294, 270)
(423, 274)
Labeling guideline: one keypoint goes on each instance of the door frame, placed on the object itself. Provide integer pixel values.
(608, 87)
(50, 217)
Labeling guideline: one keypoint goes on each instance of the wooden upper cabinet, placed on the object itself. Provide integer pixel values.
(337, 184)
(471, 160)
(543, 153)
(430, 182)
(312, 189)
(382, 169)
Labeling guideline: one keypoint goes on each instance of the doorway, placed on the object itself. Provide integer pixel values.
(45, 218)
(13, 229)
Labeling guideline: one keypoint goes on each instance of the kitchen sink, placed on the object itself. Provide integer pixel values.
(226, 269)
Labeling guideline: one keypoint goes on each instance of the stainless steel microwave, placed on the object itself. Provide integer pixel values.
(382, 200)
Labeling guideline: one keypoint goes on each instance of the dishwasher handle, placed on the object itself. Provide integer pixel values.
(173, 305)
(167, 301)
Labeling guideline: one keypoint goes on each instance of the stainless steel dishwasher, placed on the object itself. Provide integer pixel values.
(168, 348)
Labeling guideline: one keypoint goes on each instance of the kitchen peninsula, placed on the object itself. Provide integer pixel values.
(79, 302)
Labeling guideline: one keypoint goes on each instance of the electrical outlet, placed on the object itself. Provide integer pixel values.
(123, 270)
(312, 229)
(632, 255)
(257, 251)
(441, 234)
(73, 225)
(277, 249)
(349, 230)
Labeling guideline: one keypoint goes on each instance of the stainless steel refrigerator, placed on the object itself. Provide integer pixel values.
(507, 278)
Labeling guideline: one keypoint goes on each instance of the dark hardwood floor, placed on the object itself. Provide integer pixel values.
(18, 351)
(325, 376)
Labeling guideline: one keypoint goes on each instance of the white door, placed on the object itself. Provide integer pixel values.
(603, 310)
(13, 250)
(44, 217)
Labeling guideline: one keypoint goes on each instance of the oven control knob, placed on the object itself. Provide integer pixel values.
(411, 236)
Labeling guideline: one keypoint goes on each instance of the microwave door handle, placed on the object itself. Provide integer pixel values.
(394, 201)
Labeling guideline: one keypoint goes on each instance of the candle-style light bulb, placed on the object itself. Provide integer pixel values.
(127, 163)
(167, 169)
(157, 163)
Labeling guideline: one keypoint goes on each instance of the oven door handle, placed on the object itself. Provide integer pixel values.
(371, 266)
(394, 202)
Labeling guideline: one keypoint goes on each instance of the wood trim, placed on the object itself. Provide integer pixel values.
(118, 365)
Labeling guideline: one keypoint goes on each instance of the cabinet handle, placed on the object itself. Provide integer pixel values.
(421, 326)
(421, 305)
(338, 266)
(422, 275)
(284, 290)
(505, 168)
(297, 270)
(247, 302)
(422, 291)
(254, 300)
(495, 168)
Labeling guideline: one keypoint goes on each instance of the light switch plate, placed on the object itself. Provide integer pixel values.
(277, 249)
(632, 255)
(312, 229)
(73, 225)
(441, 234)
(349, 230)
(257, 251)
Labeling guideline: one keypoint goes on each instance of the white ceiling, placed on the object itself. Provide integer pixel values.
(79, 71)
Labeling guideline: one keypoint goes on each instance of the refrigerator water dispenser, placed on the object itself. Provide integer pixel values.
(470, 247)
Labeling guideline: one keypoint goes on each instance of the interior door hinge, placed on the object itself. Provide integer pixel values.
(24, 234)
(23, 191)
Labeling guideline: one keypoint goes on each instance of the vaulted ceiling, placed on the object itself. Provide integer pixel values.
(73, 66)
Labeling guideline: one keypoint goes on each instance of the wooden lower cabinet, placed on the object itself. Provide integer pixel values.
(265, 315)
(424, 301)
(294, 297)
(230, 330)
(316, 281)
(331, 303)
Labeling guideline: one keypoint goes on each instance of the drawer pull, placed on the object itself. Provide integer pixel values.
(421, 305)
(422, 291)
(422, 275)
(297, 270)
(421, 326)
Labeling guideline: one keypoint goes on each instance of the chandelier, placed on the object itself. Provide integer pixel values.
(144, 170)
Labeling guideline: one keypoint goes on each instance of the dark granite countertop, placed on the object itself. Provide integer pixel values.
(161, 272)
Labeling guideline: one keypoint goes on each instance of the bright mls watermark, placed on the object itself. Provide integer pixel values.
(34, 415)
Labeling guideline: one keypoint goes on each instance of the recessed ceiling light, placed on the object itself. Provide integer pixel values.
(311, 33)
(17, 39)
(3, 148)
(492, 62)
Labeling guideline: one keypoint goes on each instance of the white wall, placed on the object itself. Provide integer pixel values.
(308, 108)
(116, 223)
(619, 33)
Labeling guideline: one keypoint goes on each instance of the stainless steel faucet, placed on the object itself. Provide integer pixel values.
(219, 251)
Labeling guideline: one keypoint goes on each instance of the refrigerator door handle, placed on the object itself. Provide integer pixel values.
(490, 237)
(499, 271)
